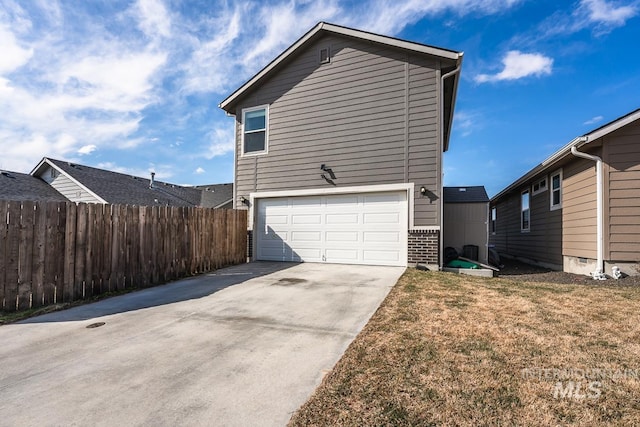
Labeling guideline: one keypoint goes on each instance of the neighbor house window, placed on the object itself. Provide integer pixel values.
(556, 190)
(539, 186)
(493, 219)
(325, 55)
(525, 212)
(254, 134)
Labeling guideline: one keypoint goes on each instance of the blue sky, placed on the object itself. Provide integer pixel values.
(133, 86)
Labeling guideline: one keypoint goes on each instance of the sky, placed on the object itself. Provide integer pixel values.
(134, 86)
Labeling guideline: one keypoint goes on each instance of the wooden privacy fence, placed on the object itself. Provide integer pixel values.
(53, 252)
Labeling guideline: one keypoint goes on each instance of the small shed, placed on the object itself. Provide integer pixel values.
(466, 220)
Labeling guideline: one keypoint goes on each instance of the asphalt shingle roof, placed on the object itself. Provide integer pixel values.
(20, 186)
(118, 188)
(476, 194)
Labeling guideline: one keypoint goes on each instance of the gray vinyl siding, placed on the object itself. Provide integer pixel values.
(622, 172)
(543, 242)
(371, 115)
(466, 224)
(67, 187)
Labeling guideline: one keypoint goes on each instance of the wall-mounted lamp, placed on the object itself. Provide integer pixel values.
(244, 201)
(423, 190)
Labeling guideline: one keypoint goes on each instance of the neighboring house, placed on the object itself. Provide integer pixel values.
(19, 186)
(560, 215)
(466, 220)
(80, 183)
(339, 144)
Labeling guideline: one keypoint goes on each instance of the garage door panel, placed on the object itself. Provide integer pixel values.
(367, 228)
(341, 236)
(392, 199)
(342, 256)
(381, 218)
(381, 237)
(337, 218)
(315, 219)
(372, 255)
(306, 202)
(306, 236)
(341, 201)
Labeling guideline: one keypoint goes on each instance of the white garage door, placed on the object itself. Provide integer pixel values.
(366, 228)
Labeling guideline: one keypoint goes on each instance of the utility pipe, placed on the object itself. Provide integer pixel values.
(598, 274)
(441, 237)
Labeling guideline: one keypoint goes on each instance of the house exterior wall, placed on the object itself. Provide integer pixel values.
(622, 180)
(66, 186)
(579, 220)
(371, 115)
(542, 244)
(466, 224)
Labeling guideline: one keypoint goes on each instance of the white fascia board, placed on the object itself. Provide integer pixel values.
(565, 151)
(266, 70)
(75, 181)
(613, 126)
(391, 41)
(323, 26)
(408, 187)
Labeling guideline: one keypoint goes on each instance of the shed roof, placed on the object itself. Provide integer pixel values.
(20, 186)
(474, 194)
(565, 151)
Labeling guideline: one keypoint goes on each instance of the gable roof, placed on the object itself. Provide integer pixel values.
(449, 88)
(565, 151)
(474, 194)
(215, 195)
(317, 31)
(20, 186)
(119, 188)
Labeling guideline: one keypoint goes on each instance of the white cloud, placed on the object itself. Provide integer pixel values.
(222, 142)
(13, 55)
(161, 171)
(593, 120)
(87, 149)
(598, 16)
(154, 20)
(517, 65)
(607, 13)
(199, 171)
(390, 17)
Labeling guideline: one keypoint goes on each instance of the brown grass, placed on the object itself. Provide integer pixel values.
(445, 349)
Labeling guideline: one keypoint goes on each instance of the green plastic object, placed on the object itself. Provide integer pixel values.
(458, 263)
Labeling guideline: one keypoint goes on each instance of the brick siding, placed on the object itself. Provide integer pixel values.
(423, 247)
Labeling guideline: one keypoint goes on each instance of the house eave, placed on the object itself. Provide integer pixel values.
(228, 103)
(565, 151)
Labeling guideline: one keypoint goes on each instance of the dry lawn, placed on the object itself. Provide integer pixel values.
(445, 349)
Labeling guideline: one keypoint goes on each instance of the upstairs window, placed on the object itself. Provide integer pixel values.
(525, 212)
(254, 133)
(494, 215)
(539, 186)
(556, 190)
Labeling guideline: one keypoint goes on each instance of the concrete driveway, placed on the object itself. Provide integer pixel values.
(244, 346)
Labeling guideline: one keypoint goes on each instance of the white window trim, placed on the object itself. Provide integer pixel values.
(266, 131)
(553, 207)
(493, 223)
(525, 230)
(379, 188)
(540, 190)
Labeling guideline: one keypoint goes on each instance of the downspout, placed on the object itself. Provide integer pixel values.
(598, 274)
(441, 237)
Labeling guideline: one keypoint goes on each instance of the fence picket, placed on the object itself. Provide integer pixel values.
(60, 252)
